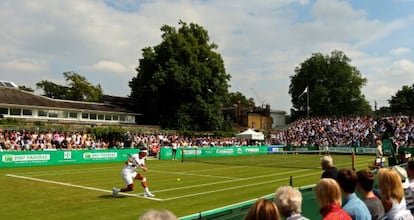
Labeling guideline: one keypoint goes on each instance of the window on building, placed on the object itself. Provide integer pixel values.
(15, 111)
(64, 114)
(4, 111)
(53, 114)
(101, 117)
(85, 115)
(115, 117)
(122, 118)
(92, 116)
(42, 113)
(73, 115)
(27, 112)
(108, 117)
(129, 118)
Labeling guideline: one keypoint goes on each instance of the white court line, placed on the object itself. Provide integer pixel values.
(171, 189)
(242, 186)
(236, 187)
(230, 181)
(79, 186)
(52, 172)
(200, 175)
(237, 179)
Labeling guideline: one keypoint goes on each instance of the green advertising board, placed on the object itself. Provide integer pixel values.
(42, 158)
(202, 152)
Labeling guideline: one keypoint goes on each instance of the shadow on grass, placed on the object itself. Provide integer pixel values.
(112, 197)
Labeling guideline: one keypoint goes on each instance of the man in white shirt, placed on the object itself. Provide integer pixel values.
(129, 173)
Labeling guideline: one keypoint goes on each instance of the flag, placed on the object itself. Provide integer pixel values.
(304, 91)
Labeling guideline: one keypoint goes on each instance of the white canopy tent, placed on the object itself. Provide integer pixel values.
(250, 134)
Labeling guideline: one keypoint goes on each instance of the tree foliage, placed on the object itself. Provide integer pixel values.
(334, 87)
(403, 101)
(235, 97)
(78, 89)
(181, 83)
(27, 89)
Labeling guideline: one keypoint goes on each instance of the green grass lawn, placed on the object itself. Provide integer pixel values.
(84, 191)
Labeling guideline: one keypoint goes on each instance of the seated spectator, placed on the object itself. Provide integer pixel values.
(263, 209)
(410, 173)
(392, 195)
(158, 215)
(289, 203)
(330, 171)
(328, 195)
(347, 180)
(408, 193)
(364, 187)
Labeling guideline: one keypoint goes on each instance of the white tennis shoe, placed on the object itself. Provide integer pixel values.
(115, 191)
(148, 194)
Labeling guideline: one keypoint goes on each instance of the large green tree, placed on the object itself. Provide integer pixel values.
(403, 101)
(78, 89)
(333, 86)
(181, 83)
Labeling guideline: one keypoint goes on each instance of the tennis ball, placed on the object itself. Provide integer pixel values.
(178, 179)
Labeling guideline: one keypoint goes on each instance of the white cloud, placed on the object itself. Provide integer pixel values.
(260, 42)
(400, 51)
(402, 68)
(110, 66)
(26, 66)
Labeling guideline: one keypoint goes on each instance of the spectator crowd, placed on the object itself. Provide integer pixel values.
(350, 131)
(337, 199)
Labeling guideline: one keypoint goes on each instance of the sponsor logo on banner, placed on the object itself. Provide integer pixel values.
(100, 156)
(225, 151)
(192, 152)
(239, 150)
(252, 149)
(9, 158)
(67, 155)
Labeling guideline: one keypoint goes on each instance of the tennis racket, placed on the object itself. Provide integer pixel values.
(136, 162)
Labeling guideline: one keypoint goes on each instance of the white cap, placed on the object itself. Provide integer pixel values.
(403, 175)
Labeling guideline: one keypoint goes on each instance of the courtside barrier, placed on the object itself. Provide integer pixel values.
(44, 158)
(41, 158)
(204, 152)
(310, 208)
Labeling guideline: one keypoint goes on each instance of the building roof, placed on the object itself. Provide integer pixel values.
(15, 96)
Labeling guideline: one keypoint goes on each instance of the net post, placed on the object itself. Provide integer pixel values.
(353, 160)
(182, 154)
(291, 181)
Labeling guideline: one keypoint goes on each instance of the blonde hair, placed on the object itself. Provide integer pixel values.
(158, 215)
(288, 200)
(390, 184)
(378, 142)
(263, 209)
(327, 161)
(327, 191)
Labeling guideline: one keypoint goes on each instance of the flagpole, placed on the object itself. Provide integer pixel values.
(307, 99)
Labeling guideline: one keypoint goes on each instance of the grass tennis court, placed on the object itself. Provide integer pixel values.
(84, 191)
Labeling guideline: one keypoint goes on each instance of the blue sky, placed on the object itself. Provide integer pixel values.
(261, 42)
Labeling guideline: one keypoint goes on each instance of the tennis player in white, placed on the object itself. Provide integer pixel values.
(129, 173)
